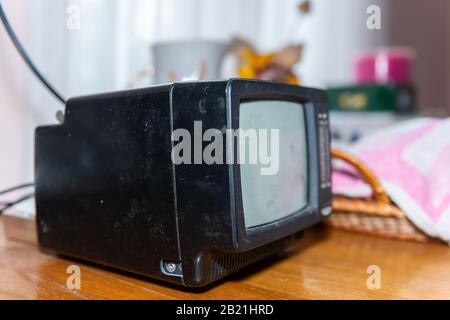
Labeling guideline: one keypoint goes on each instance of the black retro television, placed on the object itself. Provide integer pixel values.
(110, 190)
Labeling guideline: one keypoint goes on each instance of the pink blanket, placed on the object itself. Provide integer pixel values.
(412, 160)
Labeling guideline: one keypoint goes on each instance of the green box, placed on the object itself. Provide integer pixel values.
(394, 98)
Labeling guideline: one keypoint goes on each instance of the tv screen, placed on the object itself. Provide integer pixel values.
(281, 189)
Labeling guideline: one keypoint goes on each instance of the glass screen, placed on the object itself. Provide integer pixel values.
(275, 185)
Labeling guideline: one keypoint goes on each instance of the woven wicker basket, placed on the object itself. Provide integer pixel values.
(376, 215)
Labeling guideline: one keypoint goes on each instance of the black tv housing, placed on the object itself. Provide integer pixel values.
(108, 192)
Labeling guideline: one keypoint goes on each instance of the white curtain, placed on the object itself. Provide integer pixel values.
(115, 36)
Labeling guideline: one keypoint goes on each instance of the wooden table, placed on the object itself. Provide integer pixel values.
(326, 264)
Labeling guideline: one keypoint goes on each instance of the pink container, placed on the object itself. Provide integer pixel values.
(384, 66)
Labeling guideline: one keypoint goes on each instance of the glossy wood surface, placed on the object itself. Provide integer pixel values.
(326, 264)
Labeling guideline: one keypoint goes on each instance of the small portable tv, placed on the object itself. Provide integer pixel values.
(165, 182)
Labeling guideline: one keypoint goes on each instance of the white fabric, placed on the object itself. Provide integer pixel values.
(114, 39)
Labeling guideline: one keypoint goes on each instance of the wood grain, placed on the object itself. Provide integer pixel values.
(326, 264)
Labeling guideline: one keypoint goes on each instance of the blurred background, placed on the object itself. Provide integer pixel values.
(88, 46)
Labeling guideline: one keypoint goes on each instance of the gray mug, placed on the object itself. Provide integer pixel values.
(188, 60)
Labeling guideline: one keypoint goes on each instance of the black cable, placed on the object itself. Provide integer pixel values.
(26, 58)
(21, 186)
(13, 203)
